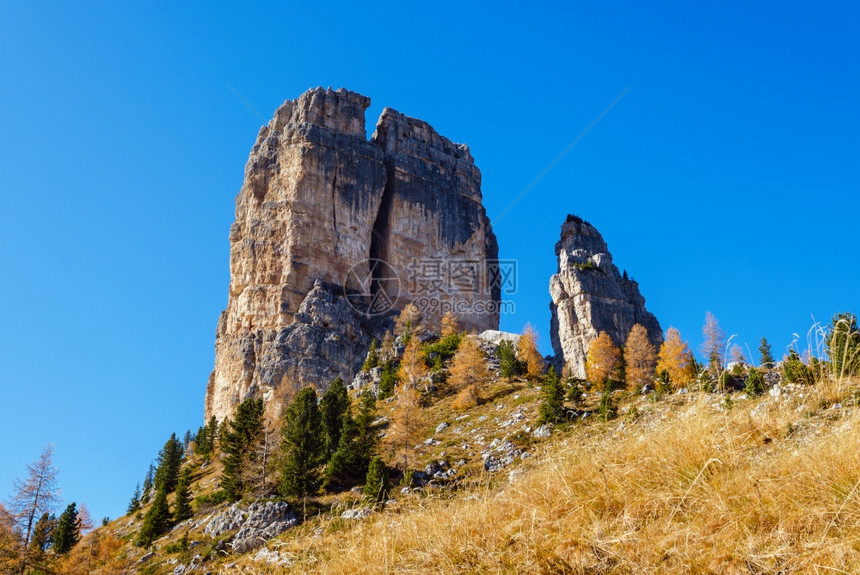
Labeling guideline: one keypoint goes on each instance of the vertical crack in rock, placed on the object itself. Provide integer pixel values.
(590, 296)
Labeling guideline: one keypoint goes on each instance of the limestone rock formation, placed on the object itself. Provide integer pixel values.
(590, 296)
(334, 235)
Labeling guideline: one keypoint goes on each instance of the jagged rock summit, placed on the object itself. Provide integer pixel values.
(334, 235)
(590, 296)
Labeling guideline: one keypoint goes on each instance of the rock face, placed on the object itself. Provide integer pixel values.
(256, 524)
(334, 235)
(590, 296)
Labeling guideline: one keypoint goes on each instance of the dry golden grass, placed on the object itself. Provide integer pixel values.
(766, 486)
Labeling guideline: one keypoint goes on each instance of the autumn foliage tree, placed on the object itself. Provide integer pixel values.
(406, 427)
(450, 325)
(640, 358)
(603, 361)
(412, 366)
(676, 359)
(408, 320)
(528, 353)
(33, 497)
(469, 370)
(10, 546)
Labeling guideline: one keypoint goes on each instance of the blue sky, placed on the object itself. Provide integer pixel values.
(725, 180)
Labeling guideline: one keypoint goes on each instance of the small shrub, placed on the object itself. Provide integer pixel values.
(574, 390)
(795, 371)
(754, 385)
(179, 546)
(213, 498)
(663, 385)
(607, 409)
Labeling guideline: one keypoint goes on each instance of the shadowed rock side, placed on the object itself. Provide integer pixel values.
(318, 202)
(433, 214)
(590, 296)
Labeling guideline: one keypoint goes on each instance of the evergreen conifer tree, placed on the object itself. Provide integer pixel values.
(343, 468)
(42, 538)
(367, 436)
(376, 483)
(169, 460)
(552, 399)
(134, 504)
(186, 441)
(156, 520)
(766, 354)
(182, 506)
(68, 530)
(333, 406)
(302, 446)
(387, 379)
(235, 442)
(372, 359)
(509, 365)
(148, 481)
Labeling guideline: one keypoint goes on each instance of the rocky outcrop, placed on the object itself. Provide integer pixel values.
(256, 524)
(334, 235)
(589, 295)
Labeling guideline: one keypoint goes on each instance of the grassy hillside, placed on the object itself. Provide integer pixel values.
(689, 482)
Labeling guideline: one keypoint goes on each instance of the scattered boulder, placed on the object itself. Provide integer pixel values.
(357, 513)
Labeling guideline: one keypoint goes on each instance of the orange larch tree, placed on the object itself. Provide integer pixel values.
(640, 358)
(676, 359)
(603, 361)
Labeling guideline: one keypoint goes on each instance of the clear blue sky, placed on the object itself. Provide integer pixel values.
(726, 179)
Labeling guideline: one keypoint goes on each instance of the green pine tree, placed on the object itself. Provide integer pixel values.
(155, 522)
(551, 407)
(204, 443)
(372, 359)
(766, 354)
(182, 506)
(68, 530)
(509, 365)
(376, 483)
(333, 405)
(148, 481)
(134, 504)
(169, 460)
(367, 436)
(41, 539)
(344, 467)
(387, 379)
(302, 446)
(235, 443)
